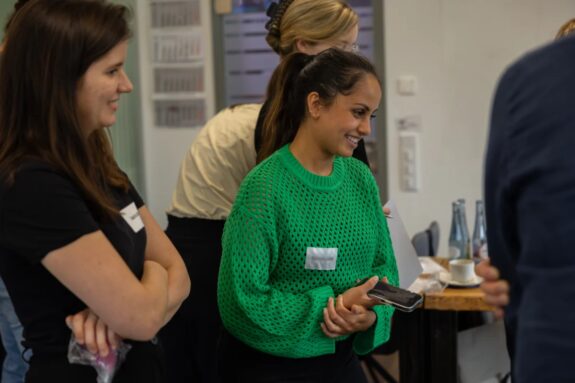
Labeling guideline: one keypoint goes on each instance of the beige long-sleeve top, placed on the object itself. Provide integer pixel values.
(219, 158)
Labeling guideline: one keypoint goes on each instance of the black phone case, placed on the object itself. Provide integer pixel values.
(403, 300)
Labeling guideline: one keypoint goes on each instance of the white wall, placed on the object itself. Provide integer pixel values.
(457, 49)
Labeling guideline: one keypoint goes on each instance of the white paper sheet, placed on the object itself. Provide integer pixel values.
(408, 264)
(429, 280)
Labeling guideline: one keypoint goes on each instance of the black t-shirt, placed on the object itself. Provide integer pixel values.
(43, 210)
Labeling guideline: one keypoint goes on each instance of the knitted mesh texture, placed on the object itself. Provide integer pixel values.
(266, 296)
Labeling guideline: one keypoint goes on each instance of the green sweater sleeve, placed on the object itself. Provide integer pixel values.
(265, 318)
(384, 266)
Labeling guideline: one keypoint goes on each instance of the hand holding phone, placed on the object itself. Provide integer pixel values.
(401, 299)
(358, 295)
(340, 321)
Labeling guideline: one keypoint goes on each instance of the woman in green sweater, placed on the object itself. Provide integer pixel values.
(307, 224)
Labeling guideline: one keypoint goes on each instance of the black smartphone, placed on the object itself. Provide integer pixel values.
(403, 300)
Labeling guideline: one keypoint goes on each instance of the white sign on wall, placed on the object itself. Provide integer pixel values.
(178, 63)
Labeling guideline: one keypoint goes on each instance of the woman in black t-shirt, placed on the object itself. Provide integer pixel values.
(78, 248)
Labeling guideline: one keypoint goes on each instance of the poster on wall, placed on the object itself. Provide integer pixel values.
(178, 63)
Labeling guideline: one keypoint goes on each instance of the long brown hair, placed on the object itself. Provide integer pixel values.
(49, 47)
(17, 5)
(330, 73)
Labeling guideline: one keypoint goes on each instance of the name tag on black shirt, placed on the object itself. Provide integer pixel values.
(132, 217)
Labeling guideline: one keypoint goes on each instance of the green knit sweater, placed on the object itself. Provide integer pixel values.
(270, 292)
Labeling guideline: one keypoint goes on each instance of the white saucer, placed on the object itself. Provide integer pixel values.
(446, 278)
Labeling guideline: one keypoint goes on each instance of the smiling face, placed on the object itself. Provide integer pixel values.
(99, 89)
(339, 127)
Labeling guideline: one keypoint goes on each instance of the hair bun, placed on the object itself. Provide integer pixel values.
(272, 9)
(275, 12)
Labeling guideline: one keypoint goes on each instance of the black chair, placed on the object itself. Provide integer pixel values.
(425, 242)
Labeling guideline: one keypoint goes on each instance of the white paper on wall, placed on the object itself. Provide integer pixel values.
(178, 63)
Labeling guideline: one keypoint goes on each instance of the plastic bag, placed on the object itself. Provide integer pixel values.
(106, 367)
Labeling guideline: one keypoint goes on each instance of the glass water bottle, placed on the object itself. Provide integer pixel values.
(479, 233)
(467, 254)
(459, 243)
(456, 240)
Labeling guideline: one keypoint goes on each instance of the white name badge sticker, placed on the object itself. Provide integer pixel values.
(132, 217)
(320, 258)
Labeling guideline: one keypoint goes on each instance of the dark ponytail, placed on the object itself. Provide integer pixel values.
(285, 111)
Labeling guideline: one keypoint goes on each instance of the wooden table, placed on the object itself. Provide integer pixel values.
(469, 299)
(428, 336)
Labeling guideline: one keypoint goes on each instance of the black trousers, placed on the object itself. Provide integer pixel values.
(190, 338)
(144, 364)
(240, 363)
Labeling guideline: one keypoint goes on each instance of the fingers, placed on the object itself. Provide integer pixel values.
(338, 317)
(328, 333)
(496, 290)
(102, 338)
(90, 332)
(358, 310)
(354, 317)
(498, 313)
(358, 294)
(486, 271)
(346, 318)
(366, 318)
(329, 323)
(352, 320)
(339, 320)
(113, 339)
(370, 284)
(76, 324)
(496, 293)
(340, 307)
(367, 301)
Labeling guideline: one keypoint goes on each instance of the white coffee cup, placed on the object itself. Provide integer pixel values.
(462, 270)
